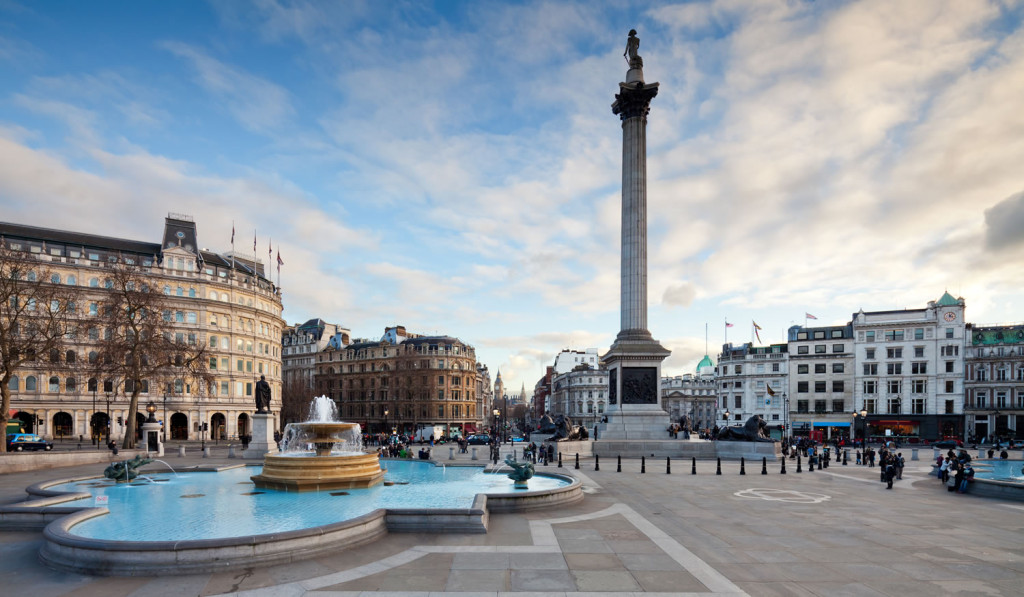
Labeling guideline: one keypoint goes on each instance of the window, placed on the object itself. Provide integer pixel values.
(919, 352)
(894, 406)
(949, 407)
(801, 335)
(837, 386)
(917, 406)
(838, 406)
(982, 399)
(949, 332)
(820, 368)
(819, 349)
(894, 386)
(919, 368)
(837, 334)
(819, 406)
(951, 350)
(950, 386)
(894, 335)
(869, 353)
(55, 279)
(739, 368)
(819, 387)
(838, 348)
(870, 386)
(982, 374)
(803, 350)
(919, 386)
(819, 335)
(54, 384)
(870, 336)
(894, 368)
(918, 333)
(949, 366)
(738, 401)
(802, 369)
(838, 367)
(894, 353)
(870, 368)
(802, 406)
(870, 405)
(30, 383)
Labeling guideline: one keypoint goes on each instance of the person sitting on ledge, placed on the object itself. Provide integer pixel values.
(424, 453)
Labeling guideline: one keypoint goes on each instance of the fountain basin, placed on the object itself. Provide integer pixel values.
(319, 473)
(112, 552)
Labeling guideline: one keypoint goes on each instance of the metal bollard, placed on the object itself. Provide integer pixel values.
(693, 465)
(782, 471)
(764, 465)
(231, 450)
(181, 451)
(798, 469)
(643, 464)
(718, 469)
(668, 465)
(597, 462)
(559, 460)
(618, 467)
(577, 461)
(743, 466)
(474, 456)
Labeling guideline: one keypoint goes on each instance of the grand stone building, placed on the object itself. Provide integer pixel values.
(402, 382)
(580, 394)
(745, 373)
(230, 304)
(821, 380)
(692, 395)
(301, 343)
(994, 381)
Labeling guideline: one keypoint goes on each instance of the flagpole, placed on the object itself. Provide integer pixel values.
(726, 329)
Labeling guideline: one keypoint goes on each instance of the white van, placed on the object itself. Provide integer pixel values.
(423, 435)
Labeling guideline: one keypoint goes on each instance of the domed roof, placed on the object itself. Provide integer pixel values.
(947, 300)
(706, 362)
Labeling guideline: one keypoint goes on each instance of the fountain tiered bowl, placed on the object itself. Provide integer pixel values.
(322, 468)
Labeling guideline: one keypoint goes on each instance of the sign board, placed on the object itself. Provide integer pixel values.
(888, 432)
(101, 500)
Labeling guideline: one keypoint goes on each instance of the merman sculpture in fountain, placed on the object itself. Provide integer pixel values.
(521, 471)
(320, 454)
(125, 471)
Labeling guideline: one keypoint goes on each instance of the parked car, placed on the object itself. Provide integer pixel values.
(19, 442)
(948, 444)
(517, 438)
(480, 439)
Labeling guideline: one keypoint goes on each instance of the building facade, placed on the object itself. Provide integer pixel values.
(745, 374)
(909, 370)
(580, 394)
(821, 380)
(402, 382)
(226, 302)
(300, 344)
(692, 395)
(994, 384)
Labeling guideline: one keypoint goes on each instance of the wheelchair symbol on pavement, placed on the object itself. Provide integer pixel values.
(783, 495)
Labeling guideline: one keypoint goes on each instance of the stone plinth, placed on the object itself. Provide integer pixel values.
(262, 437)
(152, 438)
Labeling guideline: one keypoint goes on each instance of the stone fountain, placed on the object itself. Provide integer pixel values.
(320, 454)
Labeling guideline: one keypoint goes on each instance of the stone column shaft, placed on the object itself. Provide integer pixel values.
(634, 224)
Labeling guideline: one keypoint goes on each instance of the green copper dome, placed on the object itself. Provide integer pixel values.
(705, 362)
(947, 300)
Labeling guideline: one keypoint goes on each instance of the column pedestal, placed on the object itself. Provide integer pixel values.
(262, 437)
(152, 438)
(634, 386)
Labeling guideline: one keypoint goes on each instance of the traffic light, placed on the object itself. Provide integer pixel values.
(206, 426)
(120, 420)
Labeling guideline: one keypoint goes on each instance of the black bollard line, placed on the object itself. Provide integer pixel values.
(577, 461)
(718, 470)
(764, 465)
(597, 462)
(846, 454)
(693, 465)
(743, 466)
(798, 469)
(559, 460)
(668, 465)
(810, 464)
(643, 464)
(618, 467)
(782, 471)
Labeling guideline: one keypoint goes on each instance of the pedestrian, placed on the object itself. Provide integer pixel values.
(890, 470)
(968, 476)
(900, 463)
(944, 470)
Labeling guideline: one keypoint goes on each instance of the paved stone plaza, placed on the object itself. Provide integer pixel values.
(831, 532)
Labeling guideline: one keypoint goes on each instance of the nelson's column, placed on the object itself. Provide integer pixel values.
(634, 360)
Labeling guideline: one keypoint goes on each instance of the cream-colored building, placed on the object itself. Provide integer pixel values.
(227, 302)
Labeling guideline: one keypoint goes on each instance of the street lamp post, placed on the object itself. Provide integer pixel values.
(166, 422)
(785, 417)
(92, 421)
(497, 425)
(863, 417)
(387, 430)
(504, 417)
(109, 418)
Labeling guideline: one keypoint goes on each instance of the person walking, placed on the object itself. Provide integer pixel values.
(900, 463)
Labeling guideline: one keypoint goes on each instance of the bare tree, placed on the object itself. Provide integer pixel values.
(36, 318)
(296, 396)
(143, 342)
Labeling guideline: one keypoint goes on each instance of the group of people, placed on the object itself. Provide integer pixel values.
(957, 466)
(891, 463)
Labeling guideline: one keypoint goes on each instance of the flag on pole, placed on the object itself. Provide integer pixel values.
(280, 262)
(771, 392)
(254, 244)
(757, 329)
(232, 236)
(728, 325)
(270, 251)
(809, 316)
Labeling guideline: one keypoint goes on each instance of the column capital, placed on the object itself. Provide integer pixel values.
(634, 99)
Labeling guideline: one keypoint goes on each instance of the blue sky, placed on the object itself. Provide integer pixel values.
(454, 167)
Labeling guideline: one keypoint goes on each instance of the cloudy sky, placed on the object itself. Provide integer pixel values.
(454, 167)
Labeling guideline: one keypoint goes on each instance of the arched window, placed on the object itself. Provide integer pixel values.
(70, 357)
(167, 290)
(94, 309)
(13, 384)
(31, 277)
(225, 343)
(191, 317)
(55, 278)
(213, 295)
(191, 293)
(179, 387)
(54, 384)
(30, 383)
(108, 284)
(72, 280)
(94, 282)
(70, 384)
(213, 341)
(181, 291)
(92, 385)
(92, 356)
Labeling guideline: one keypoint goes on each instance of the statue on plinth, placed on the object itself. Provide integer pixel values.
(262, 395)
(631, 54)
